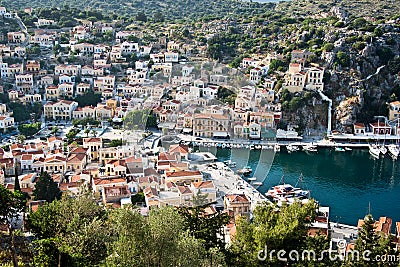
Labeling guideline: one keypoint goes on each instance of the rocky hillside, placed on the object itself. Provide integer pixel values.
(381, 8)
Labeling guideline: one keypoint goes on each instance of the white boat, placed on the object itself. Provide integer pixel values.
(383, 149)
(286, 193)
(348, 148)
(292, 148)
(393, 151)
(374, 151)
(245, 171)
(310, 148)
(277, 148)
(252, 179)
(340, 149)
(257, 183)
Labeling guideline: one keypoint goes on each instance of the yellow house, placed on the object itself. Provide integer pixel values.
(94, 145)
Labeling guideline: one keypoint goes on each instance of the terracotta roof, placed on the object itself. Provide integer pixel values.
(92, 140)
(395, 103)
(79, 150)
(359, 125)
(379, 124)
(133, 159)
(183, 173)
(179, 149)
(26, 157)
(54, 158)
(184, 190)
(78, 158)
(203, 184)
(53, 138)
(237, 198)
(99, 181)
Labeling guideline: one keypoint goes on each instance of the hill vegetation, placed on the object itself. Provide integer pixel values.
(154, 10)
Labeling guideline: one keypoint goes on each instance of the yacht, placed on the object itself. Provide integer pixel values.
(286, 193)
(292, 148)
(245, 171)
(393, 151)
(310, 148)
(374, 151)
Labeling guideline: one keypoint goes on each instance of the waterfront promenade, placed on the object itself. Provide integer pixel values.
(228, 182)
(350, 141)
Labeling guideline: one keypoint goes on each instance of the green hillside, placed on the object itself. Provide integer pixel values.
(169, 9)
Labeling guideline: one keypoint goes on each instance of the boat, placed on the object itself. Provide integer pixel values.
(383, 149)
(374, 151)
(257, 183)
(230, 163)
(245, 171)
(310, 148)
(277, 148)
(286, 193)
(292, 148)
(340, 149)
(252, 179)
(348, 148)
(393, 151)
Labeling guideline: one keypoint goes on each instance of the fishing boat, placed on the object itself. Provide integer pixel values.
(292, 148)
(310, 148)
(393, 151)
(340, 149)
(245, 171)
(374, 151)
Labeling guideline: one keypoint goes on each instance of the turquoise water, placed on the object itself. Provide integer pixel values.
(345, 181)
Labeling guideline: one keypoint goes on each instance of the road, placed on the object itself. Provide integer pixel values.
(23, 29)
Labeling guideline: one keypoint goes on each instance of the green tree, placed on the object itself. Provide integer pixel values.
(284, 229)
(115, 143)
(73, 230)
(374, 243)
(29, 129)
(90, 98)
(343, 59)
(12, 204)
(46, 188)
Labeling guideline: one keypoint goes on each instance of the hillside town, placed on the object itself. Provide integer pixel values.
(121, 117)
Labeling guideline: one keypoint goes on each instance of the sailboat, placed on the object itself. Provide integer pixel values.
(374, 151)
(393, 151)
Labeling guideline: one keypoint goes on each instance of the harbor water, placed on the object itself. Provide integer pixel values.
(348, 182)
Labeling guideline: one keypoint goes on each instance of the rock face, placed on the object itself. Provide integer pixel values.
(345, 112)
